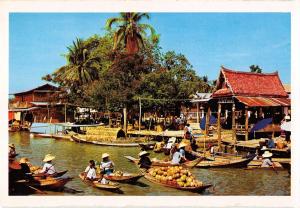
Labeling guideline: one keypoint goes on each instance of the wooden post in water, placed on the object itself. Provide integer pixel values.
(246, 123)
(233, 125)
(125, 120)
(219, 125)
(140, 117)
(197, 112)
(207, 122)
(65, 113)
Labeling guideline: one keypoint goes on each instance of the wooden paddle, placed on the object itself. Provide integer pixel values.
(38, 191)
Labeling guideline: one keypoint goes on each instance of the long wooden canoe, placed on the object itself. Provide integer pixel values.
(43, 175)
(111, 186)
(286, 165)
(176, 186)
(145, 146)
(229, 163)
(82, 140)
(257, 166)
(48, 183)
(188, 164)
(125, 178)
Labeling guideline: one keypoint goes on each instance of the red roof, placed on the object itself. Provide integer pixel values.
(237, 83)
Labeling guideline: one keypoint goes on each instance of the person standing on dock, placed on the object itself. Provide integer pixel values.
(48, 167)
(106, 166)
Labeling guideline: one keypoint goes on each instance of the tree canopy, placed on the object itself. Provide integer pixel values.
(100, 73)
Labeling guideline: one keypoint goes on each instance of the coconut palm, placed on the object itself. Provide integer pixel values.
(80, 68)
(130, 31)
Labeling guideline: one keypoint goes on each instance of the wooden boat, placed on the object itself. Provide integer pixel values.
(56, 175)
(149, 146)
(188, 164)
(82, 140)
(125, 178)
(176, 186)
(111, 186)
(257, 166)
(42, 135)
(227, 163)
(286, 165)
(47, 184)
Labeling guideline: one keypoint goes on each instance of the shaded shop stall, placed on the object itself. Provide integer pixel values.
(248, 103)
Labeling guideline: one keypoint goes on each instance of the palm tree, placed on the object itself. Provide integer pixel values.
(131, 31)
(80, 68)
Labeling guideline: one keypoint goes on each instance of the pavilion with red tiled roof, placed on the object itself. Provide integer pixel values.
(249, 93)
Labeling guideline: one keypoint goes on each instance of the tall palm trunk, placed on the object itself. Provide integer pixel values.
(132, 45)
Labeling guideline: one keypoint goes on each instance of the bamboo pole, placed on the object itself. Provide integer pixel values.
(65, 113)
(233, 125)
(125, 120)
(207, 121)
(219, 125)
(197, 112)
(246, 123)
(140, 117)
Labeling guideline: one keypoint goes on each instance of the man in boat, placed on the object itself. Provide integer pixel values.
(267, 160)
(270, 143)
(90, 171)
(144, 162)
(106, 166)
(48, 168)
(179, 155)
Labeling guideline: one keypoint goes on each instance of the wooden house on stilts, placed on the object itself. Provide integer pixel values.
(242, 99)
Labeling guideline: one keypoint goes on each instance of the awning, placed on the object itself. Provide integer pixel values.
(23, 109)
(263, 101)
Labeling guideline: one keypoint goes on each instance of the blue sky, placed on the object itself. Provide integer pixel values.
(208, 40)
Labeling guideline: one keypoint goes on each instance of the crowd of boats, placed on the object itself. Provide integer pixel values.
(173, 171)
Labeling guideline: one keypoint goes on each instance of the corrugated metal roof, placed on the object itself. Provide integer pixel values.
(264, 102)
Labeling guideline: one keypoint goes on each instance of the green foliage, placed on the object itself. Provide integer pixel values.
(130, 32)
(99, 73)
(255, 69)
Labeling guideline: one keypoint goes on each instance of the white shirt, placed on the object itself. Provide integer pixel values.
(176, 158)
(48, 168)
(104, 181)
(107, 165)
(91, 172)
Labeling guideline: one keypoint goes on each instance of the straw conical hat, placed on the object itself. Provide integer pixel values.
(48, 158)
(182, 145)
(24, 160)
(267, 154)
(264, 148)
(104, 155)
(143, 153)
(11, 145)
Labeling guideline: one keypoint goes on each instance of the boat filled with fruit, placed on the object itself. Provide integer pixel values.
(175, 177)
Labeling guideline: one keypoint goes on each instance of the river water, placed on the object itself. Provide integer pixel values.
(74, 157)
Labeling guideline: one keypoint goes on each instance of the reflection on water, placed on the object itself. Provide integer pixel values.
(74, 157)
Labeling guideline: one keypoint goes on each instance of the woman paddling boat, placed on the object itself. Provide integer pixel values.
(48, 168)
(106, 166)
(144, 162)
